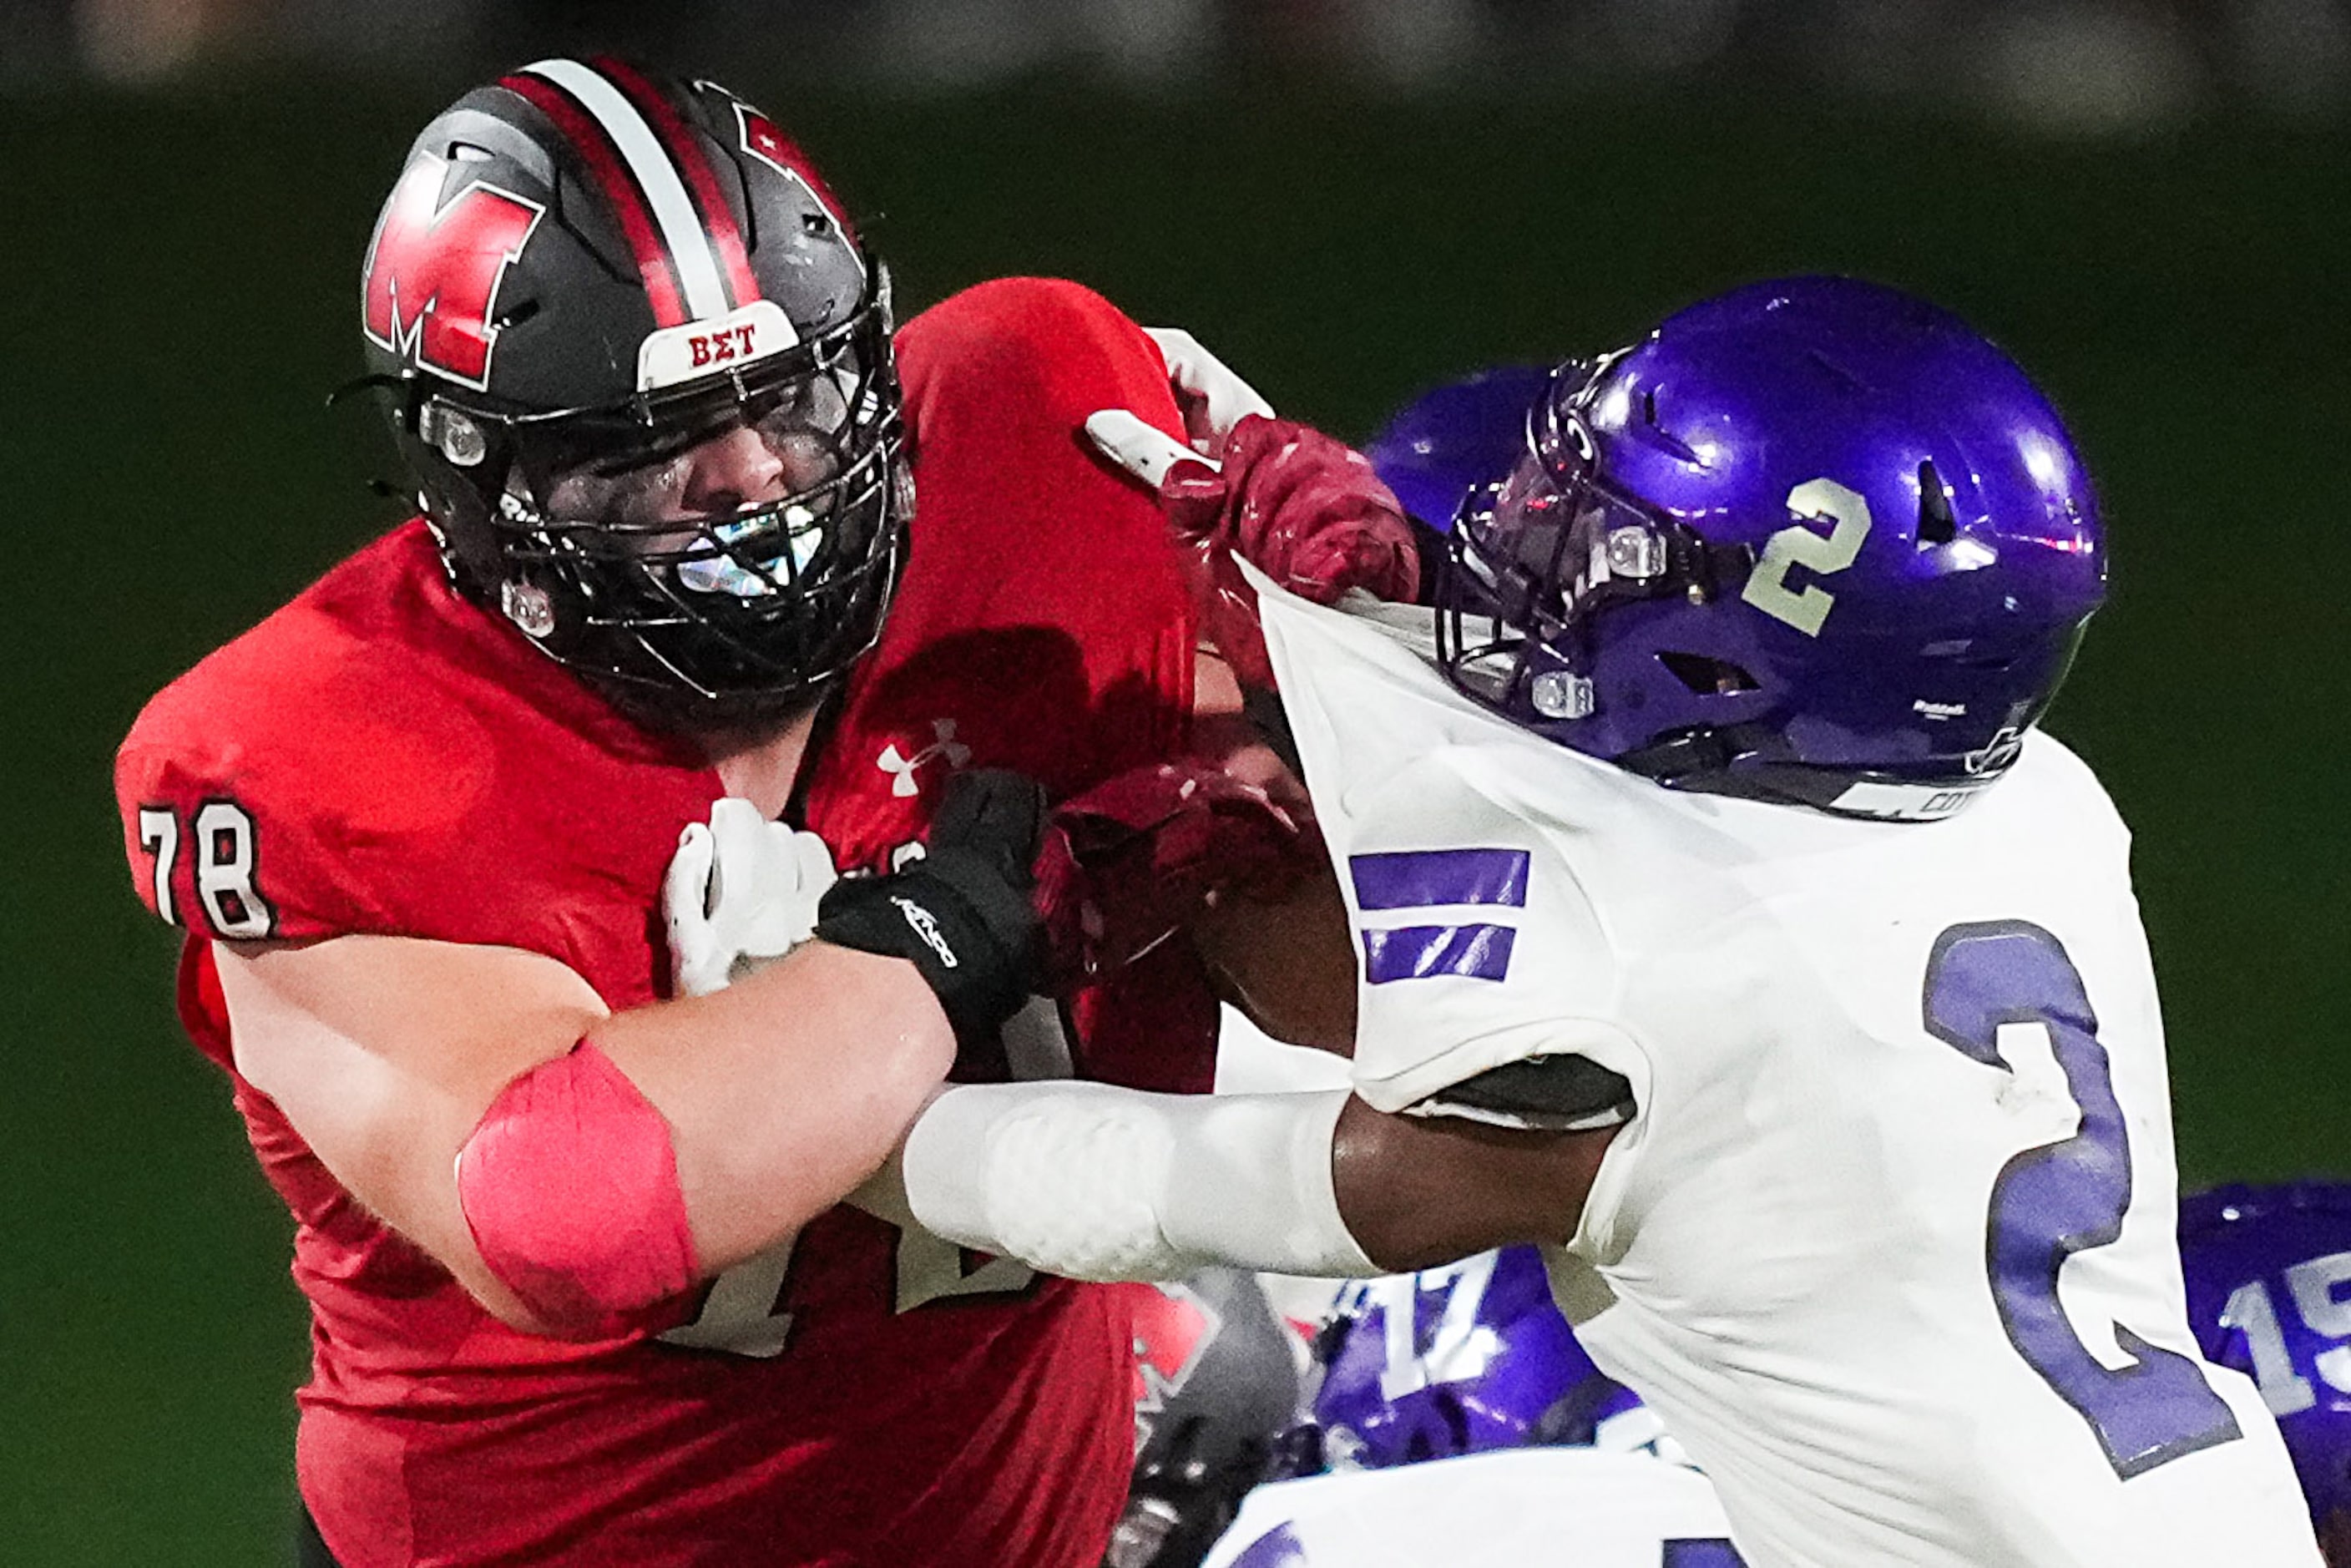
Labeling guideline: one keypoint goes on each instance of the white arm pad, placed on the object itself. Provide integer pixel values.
(1098, 1182)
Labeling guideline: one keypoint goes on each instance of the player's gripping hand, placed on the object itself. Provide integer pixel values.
(1126, 864)
(740, 892)
(960, 912)
(1305, 509)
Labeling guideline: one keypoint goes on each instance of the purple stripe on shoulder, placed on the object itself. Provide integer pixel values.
(1428, 952)
(1415, 879)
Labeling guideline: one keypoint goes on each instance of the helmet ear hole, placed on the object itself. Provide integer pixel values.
(1937, 523)
(1708, 677)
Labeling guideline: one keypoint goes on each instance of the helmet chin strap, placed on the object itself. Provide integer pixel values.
(1675, 760)
(1727, 762)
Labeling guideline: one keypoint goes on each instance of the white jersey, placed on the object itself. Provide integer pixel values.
(1889, 1241)
(1521, 1508)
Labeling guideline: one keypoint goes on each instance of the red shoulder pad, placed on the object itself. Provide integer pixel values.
(254, 789)
(380, 757)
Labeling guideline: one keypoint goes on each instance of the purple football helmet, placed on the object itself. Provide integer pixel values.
(1812, 541)
(2269, 1292)
(1448, 441)
(1457, 1360)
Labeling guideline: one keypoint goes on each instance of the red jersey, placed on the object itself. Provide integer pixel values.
(382, 756)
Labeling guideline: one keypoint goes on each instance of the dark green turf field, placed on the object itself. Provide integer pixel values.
(177, 293)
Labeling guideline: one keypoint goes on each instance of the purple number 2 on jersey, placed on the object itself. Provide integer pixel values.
(2064, 1197)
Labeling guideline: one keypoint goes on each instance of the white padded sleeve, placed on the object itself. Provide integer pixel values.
(1100, 1183)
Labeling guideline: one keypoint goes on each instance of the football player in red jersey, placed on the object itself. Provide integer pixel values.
(583, 1288)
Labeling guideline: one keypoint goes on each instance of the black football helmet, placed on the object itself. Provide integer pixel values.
(585, 273)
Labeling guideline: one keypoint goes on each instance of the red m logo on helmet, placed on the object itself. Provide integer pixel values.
(433, 270)
(1172, 1329)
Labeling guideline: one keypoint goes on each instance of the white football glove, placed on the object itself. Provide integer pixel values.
(1213, 398)
(740, 892)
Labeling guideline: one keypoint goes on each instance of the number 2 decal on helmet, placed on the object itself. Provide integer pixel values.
(1796, 545)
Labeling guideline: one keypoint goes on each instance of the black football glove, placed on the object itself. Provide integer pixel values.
(961, 914)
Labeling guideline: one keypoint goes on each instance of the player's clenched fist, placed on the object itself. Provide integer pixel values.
(1126, 864)
(740, 892)
(961, 913)
(744, 890)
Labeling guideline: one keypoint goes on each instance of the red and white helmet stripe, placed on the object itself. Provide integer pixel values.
(702, 182)
(666, 198)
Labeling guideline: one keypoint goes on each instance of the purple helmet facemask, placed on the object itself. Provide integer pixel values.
(1814, 541)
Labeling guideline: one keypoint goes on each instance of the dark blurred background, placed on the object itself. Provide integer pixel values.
(1350, 199)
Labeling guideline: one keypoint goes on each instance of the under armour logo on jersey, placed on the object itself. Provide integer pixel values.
(1436, 879)
(944, 744)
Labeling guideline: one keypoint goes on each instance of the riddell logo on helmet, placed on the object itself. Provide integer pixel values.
(759, 331)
